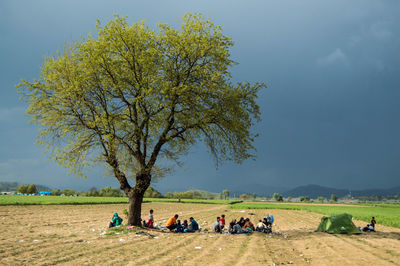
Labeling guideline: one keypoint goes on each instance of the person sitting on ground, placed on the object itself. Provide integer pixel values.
(171, 223)
(248, 225)
(236, 229)
(115, 220)
(222, 220)
(217, 226)
(261, 227)
(268, 228)
(231, 224)
(368, 228)
(193, 226)
(241, 222)
(185, 224)
(373, 222)
(267, 220)
(179, 227)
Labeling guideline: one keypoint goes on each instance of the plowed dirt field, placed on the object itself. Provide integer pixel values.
(73, 235)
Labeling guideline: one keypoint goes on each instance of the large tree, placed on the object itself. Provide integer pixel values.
(135, 99)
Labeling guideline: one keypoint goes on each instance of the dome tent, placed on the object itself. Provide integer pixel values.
(338, 224)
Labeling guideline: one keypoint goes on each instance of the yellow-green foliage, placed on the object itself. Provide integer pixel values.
(130, 95)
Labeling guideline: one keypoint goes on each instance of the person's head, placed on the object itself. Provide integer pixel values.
(241, 219)
(176, 216)
(179, 221)
(115, 214)
(218, 218)
(185, 221)
(259, 221)
(223, 216)
(191, 219)
(151, 211)
(247, 219)
(373, 217)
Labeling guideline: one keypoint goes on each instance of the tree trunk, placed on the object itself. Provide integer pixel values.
(136, 198)
(135, 209)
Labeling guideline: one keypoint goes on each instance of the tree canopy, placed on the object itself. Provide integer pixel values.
(132, 96)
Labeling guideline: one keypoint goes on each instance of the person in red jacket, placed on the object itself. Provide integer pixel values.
(222, 220)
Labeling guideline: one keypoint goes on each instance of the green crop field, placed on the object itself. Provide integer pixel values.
(44, 200)
(385, 214)
(201, 201)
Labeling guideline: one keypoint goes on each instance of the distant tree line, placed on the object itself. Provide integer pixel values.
(27, 189)
(190, 194)
(93, 192)
(378, 198)
(14, 186)
(116, 192)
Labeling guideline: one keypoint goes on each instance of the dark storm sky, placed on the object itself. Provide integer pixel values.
(330, 114)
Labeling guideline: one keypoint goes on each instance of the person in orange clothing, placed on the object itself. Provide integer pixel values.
(171, 224)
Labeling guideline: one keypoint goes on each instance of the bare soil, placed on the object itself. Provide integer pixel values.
(73, 235)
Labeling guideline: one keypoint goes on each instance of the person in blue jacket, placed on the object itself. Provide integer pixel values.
(193, 226)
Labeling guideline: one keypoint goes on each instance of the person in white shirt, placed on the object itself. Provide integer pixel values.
(261, 226)
(217, 226)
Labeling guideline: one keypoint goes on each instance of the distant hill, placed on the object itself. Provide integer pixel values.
(8, 186)
(315, 191)
(12, 186)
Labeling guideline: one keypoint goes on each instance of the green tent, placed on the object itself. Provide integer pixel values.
(338, 224)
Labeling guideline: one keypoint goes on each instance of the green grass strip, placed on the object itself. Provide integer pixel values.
(48, 200)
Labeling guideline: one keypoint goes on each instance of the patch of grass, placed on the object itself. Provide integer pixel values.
(121, 230)
(386, 214)
(199, 201)
(389, 251)
(60, 200)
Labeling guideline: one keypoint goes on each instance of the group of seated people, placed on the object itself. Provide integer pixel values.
(235, 227)
(245, 226)
(175, 225)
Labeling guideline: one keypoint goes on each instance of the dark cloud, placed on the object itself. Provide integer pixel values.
(330, 112)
